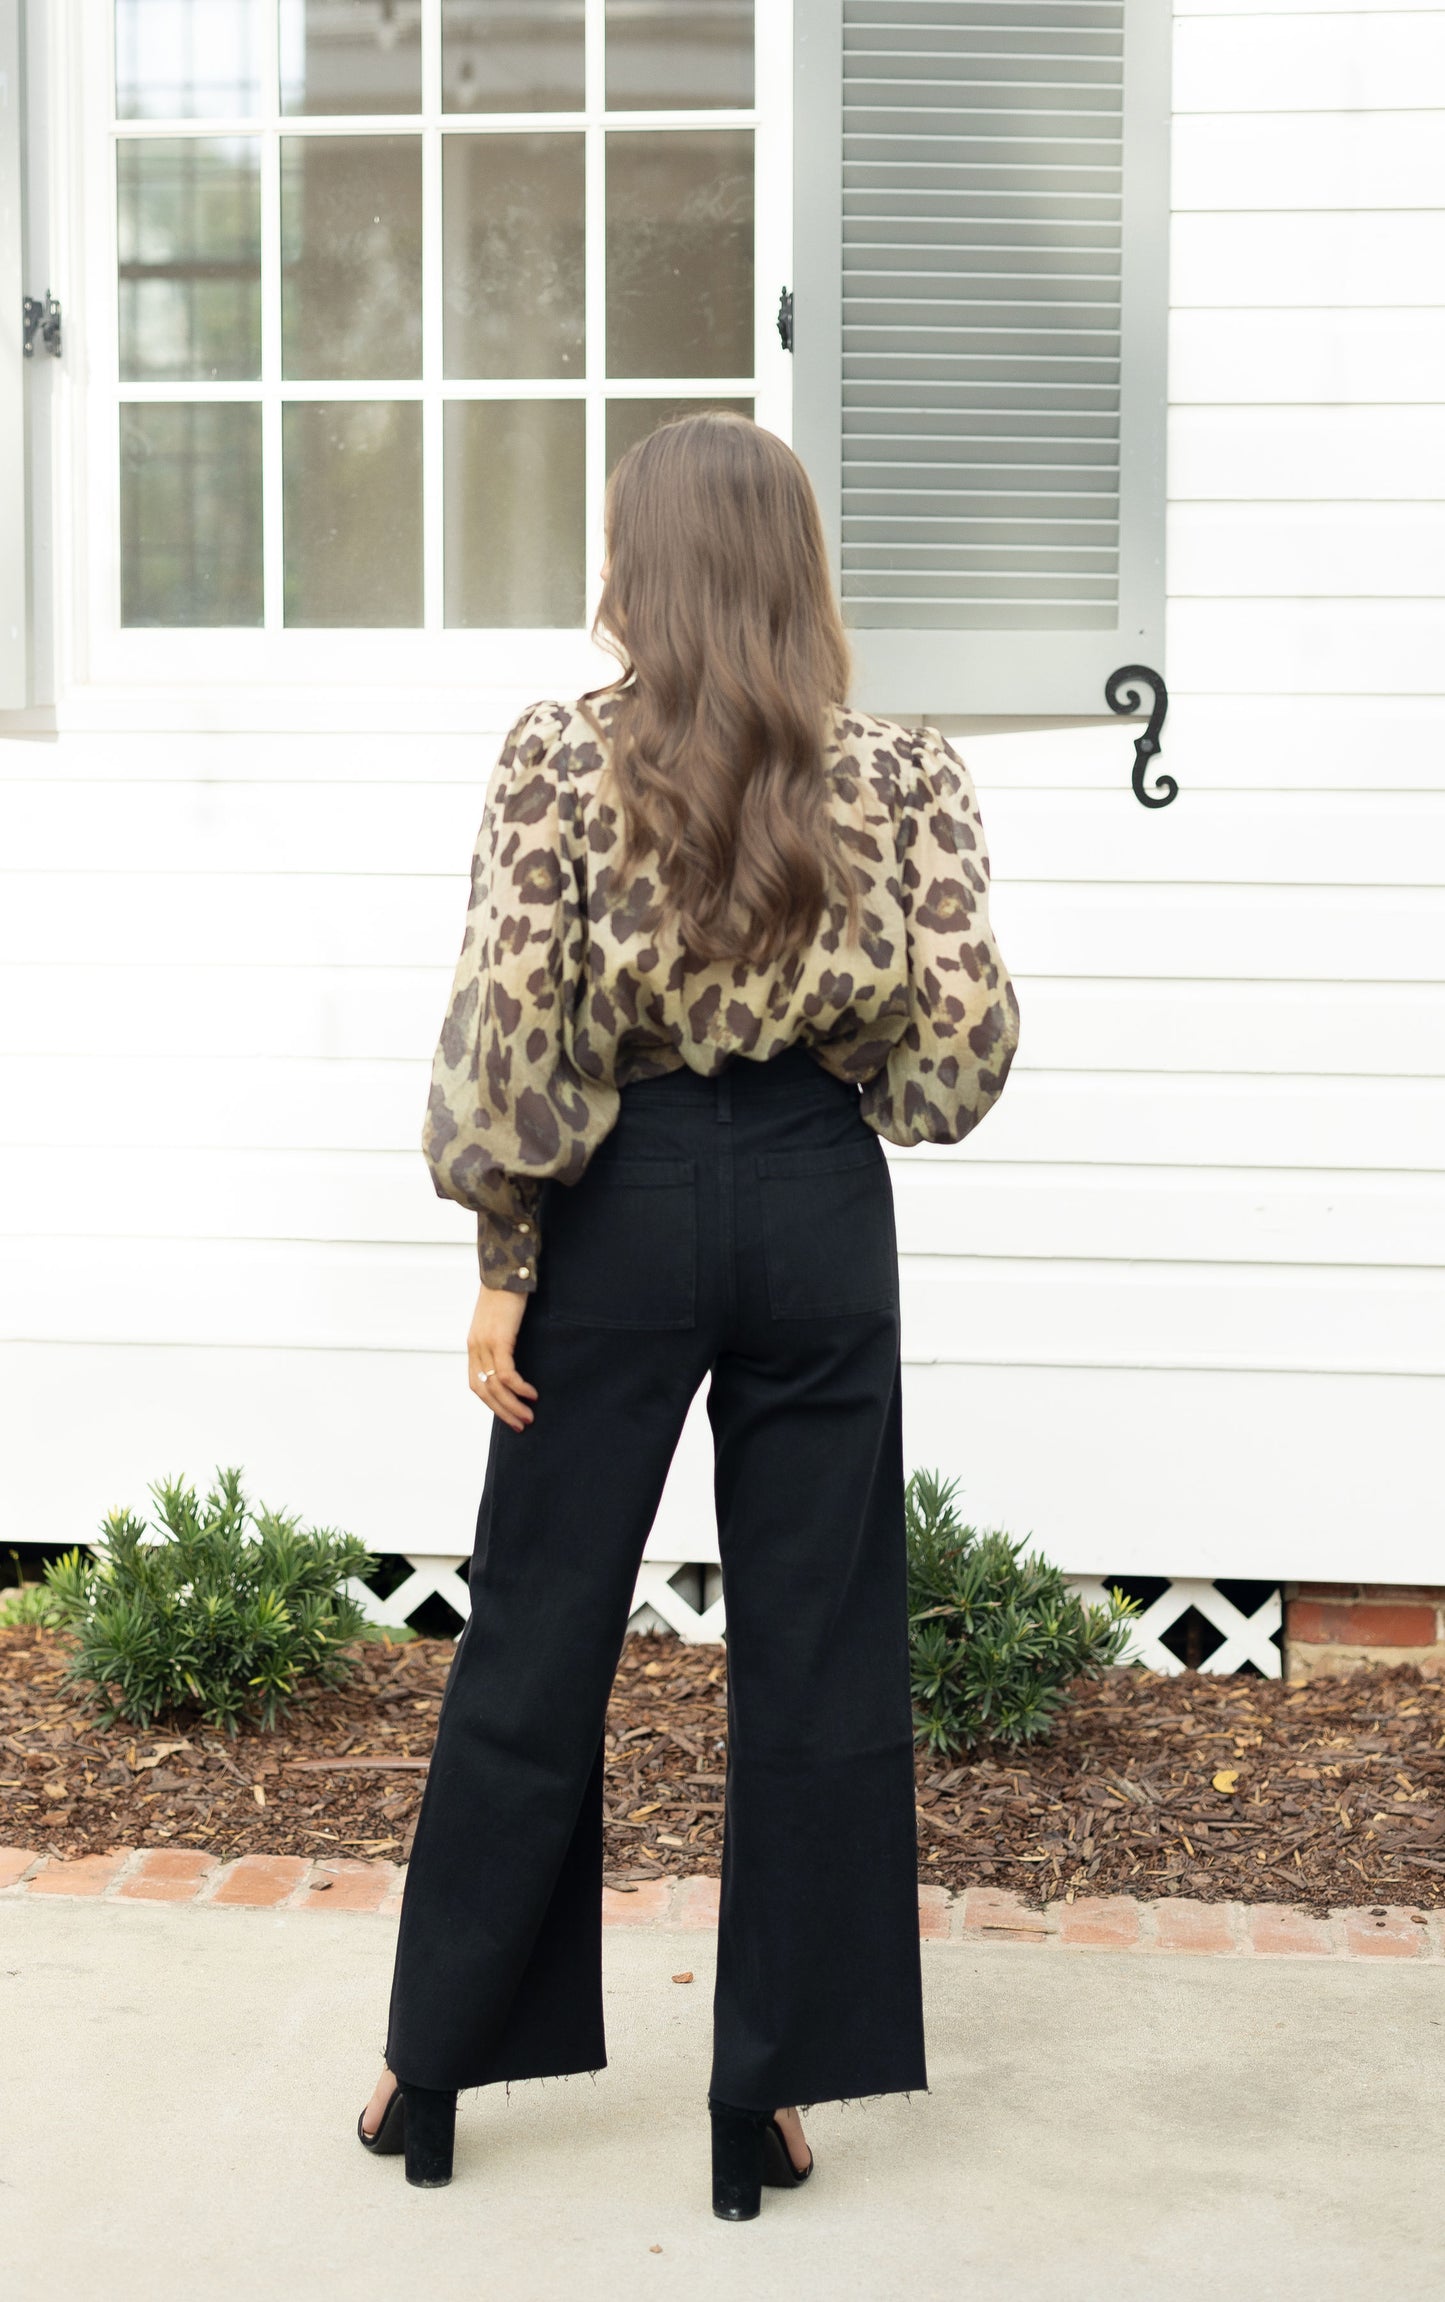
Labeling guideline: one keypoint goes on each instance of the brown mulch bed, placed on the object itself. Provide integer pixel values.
(1330, 1794)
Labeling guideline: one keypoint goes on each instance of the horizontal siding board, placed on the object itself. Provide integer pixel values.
(1288, 159)
(311, 1296)
(185, 1104)
(1218, 838)
(368, 1197)
(1271, 1030)
(1223, 934)
(1194, 1215)
(1165, 1315)
(1303, 551)
(1285, 934)
(1385, 648)
(1306, 454)
(1297, 8)
(1134, 1119)
(372, 1014)
(1134, 1478)
(1105, 1496)
(303, 920)
(267, 829)
(188, 1103)
(1254, 61)
(945, 1209)
(1364, 259)
(263, 832)
(1322, 355)
(325, 1012)
(182, 747)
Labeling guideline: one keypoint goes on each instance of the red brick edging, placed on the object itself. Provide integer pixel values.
(978, 1914)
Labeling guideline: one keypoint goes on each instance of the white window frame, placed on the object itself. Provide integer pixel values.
(14, 585)
(172, 675)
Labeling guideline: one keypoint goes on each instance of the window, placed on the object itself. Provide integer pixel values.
(396, 281)
(983, 207)
(365, 296)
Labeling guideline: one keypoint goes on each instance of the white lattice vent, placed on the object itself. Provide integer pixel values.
(1209, 1626)
(671, 1595)
(433, 1575)
(685, 1599)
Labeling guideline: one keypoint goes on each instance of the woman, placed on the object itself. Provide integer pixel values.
(724, 934)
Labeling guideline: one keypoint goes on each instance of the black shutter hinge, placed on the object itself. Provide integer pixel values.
(42, 320)
(1146, 746)
(785, 319)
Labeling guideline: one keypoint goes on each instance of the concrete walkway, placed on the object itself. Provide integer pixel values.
(180, 2088)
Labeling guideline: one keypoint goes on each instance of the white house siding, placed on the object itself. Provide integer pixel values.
(1176, 1309)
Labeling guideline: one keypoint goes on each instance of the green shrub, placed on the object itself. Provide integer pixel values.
(212, 1618)
(995, 1637)
(25, 1605)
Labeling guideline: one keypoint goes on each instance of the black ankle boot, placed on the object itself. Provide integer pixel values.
(431, 2117)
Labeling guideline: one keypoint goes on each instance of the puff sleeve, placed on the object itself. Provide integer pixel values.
(948, 1068)
(507, 1108)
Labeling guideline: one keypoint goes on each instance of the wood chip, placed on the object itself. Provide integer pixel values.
(1117, 1800)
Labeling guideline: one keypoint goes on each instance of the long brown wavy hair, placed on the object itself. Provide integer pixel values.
(719, 606)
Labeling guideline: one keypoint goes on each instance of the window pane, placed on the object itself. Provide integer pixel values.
(512, 255)
(680, 252)
(679, 54)
(187, 59)
(351, 491)
(512, 55)
(515, 475)
(351, 256)
(629, 421)
(189, 234)
(190, 513)
(350, 55)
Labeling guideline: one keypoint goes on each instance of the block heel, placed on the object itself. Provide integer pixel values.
(430, 2132)
(737, 2161)
(749, 2153)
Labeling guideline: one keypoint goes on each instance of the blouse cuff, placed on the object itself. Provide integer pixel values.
(507, 1253)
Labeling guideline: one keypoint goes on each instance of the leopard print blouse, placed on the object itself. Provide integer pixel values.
(568, 989)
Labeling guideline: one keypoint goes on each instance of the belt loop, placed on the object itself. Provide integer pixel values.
(725, 1096)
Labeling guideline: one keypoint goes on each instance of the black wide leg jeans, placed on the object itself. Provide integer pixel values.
(738, 1228)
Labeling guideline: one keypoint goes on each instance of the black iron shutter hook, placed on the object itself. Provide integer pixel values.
(1146, 746)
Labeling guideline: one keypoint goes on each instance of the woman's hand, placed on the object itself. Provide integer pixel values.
(491, 1370)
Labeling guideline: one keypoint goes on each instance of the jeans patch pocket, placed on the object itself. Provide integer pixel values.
(619, 1249)
(829, 1244)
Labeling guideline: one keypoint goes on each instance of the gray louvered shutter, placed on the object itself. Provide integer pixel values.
(981, 305)
(14, 647)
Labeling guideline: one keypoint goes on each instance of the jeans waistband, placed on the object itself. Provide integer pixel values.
(793, 1078)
